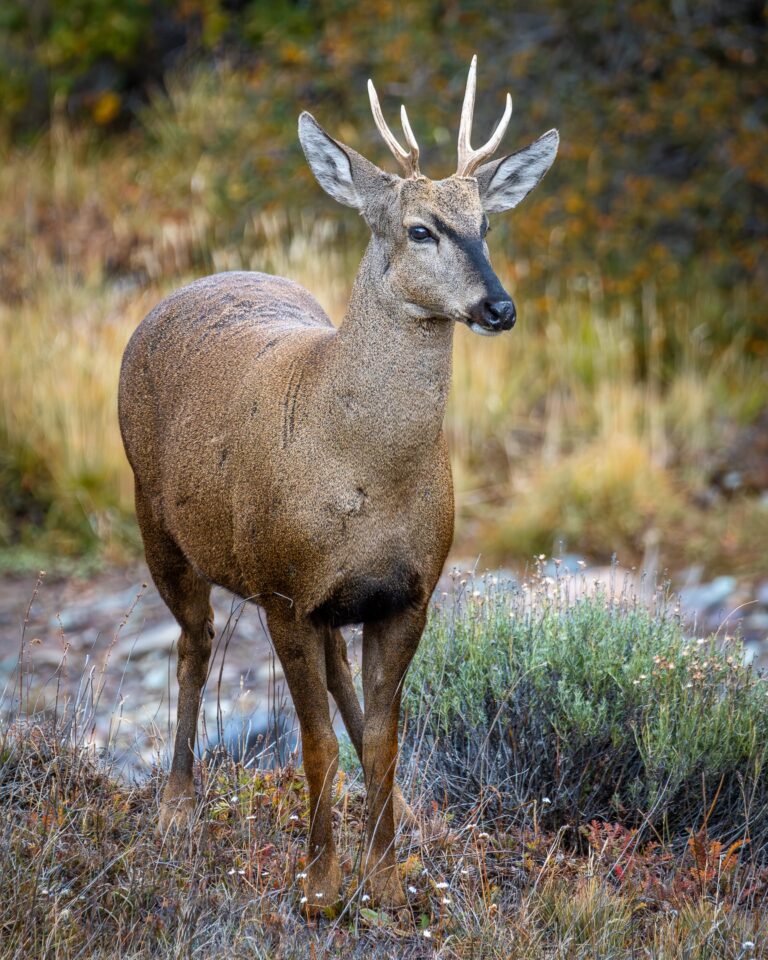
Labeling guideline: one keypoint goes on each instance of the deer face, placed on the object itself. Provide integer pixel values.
(428, 248)
(435, 258)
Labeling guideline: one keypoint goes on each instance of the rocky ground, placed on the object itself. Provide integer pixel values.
(104, 646)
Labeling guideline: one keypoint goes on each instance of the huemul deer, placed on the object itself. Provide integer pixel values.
(305, 467)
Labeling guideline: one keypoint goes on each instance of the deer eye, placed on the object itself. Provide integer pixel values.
(419, 234)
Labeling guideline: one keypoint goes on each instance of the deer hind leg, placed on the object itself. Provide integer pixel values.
(342, 689)
(301, 649)
(187, 596)
(388, 648)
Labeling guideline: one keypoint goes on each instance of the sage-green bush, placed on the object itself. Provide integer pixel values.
(590, 707)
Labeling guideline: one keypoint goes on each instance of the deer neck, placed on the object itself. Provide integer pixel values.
(390, 373)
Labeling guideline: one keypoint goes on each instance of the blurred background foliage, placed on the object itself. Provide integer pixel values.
(145, 142)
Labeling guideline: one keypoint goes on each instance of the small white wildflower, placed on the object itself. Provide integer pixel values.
(251, 817)
(464, 871)
(365, 898)
(442, 885)
(424, 872)
(546, 800)
(301, 876)
(230, 872)
(64, 913)
(303, 900)
(428, 934)
(447, 901)
(293, 816)
(241, 873)
(319, 894)
(412, 890)
(748, 945)
(235, 798)
(483, 836)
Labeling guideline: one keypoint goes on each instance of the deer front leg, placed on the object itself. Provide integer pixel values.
(342, 689)
(388, 648)
(301, 649)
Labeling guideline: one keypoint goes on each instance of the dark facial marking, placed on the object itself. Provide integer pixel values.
(474, 249)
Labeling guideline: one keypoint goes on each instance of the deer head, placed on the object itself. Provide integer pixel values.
(428, 251)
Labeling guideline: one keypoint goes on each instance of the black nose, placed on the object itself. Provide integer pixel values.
(492, 315)
(499, 314)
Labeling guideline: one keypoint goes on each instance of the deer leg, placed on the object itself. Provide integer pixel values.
(187, 596)
(342, 689)
(388, 648)
(301, 649)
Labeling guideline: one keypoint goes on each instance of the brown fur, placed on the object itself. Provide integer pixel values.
(305, 468)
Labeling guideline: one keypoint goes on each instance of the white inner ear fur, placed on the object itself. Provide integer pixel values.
(329, 162)
(516, 175)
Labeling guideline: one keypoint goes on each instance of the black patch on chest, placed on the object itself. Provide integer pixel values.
(363, 598)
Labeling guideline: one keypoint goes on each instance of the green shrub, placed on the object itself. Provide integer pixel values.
(597, 704)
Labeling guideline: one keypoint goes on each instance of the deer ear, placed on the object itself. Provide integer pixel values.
(341, 171)
(504, 183)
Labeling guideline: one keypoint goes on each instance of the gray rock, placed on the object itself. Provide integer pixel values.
(708, 596)
(269, 669)
(71, 620)
(154, 640)
(157, 678)
(756, 622)
(568, 563)
(48, 656)
(116, 604)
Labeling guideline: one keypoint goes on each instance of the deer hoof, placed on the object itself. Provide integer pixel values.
(387, 890)
(323, 889)
(176, 813)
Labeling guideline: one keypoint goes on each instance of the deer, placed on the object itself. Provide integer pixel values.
(304, 466)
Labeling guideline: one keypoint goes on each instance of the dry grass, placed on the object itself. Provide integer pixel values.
(84, 874)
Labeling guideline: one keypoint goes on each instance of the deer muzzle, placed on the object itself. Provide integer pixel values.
(489, 317)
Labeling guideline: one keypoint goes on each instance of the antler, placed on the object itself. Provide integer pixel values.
(469, 159)
(408, 159)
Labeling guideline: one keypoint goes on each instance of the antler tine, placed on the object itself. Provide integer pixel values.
(410, 139)
(408, 159)
(467, 113)
(469, 159)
